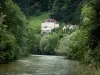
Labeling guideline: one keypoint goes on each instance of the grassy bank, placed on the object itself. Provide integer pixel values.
(35, 21)
(87, 70)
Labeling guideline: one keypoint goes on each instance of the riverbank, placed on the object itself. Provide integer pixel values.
(46, 65)
(87, 70)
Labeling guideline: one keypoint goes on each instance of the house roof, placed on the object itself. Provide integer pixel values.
(50, 20)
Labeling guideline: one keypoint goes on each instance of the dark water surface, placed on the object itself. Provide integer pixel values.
(40, 65)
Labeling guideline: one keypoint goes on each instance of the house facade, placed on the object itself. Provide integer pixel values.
(69, 26)
(48, 25)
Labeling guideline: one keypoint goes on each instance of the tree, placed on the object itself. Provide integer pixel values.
(67, 11)
(17, 27)
(48, 44)
(29, 7)
(56, 12)
(44, 5)
(94, 36)
(7, 43)
(50, 4)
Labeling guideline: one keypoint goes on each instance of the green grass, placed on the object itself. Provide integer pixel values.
(35, 21)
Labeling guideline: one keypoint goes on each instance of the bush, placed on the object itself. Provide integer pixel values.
(13, 31)
(48, 43)
(95, 55)
(7, 43)
(37, 12)
(75, 44)
(17, 24)
(33, 41)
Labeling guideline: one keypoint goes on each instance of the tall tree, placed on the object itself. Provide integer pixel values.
(56, 12)
(50, 4)
(67, 10)
(16, 24)
(44, 5)
(29, 7)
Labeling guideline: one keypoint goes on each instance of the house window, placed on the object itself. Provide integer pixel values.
(45, 26)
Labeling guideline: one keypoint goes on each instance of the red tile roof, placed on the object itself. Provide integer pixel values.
(51, 20)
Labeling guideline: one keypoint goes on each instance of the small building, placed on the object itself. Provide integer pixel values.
(69, 26)
(48, 25)
(64, 28)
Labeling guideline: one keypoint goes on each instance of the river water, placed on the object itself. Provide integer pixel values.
(40, 65)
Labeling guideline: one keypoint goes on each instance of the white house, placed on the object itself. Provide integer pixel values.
(69, 26)
(48, 25)
(64, 28)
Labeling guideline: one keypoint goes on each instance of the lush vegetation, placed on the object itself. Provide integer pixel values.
(7, 43)
(48, 44)
(34, 30)
(67, 11)
(21, 35)
(13, 35)
(35, 21)
(35, 7)
(83, 44)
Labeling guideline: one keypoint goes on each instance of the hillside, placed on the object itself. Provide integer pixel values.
(35, 21)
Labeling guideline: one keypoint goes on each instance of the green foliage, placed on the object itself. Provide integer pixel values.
(44, 5)
(29, 7)
(34, 7)
(37, 13)
(68, 11)
(17, 24)
(56, 12)
(7, 43)
(34, 32)
(18, 39)
(75, 44)
(95, 55)
(90, 21)
(13, 32)
(34, 41)
(48, 44)
(83, 44)
(94, 36)
(50, 5)
(35, 21)
(62, 46)
(59, 32)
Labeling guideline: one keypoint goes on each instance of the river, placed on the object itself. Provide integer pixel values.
(40, 65)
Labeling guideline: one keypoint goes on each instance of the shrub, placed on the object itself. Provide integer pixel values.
(48, 43)
(33, 41)
(16, 24)
(75, 44)
(7, 43)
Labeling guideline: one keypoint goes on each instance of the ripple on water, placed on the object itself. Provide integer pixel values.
(39, 65)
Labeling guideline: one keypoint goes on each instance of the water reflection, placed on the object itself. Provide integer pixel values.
(40, 65)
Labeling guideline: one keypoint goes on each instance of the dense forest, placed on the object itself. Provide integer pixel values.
(31, 7)
(59, 9)
(17, 39)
